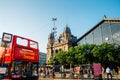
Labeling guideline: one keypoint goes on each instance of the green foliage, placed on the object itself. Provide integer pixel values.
(90, 53)
(106, 54)
(61, 57)
(71, 55)
(50, 61)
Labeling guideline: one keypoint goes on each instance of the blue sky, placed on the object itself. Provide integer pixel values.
(33, 18)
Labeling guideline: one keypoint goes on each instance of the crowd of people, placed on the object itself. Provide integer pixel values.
(47, 72)
(78, 72)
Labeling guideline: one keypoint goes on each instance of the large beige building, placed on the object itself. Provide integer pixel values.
(64, 42)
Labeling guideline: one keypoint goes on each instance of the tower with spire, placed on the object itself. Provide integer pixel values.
(64, 42)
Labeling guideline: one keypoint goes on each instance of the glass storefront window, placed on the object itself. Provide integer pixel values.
(106, 32)
(115, 32)
(97, 36)
(81, 42)
(89, 38)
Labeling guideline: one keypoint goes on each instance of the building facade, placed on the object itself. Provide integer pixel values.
(64, 42)
(42, 58)
(107, 30)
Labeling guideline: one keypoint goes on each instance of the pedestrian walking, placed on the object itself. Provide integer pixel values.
(47, 72)
(81, 72)
(108, 72)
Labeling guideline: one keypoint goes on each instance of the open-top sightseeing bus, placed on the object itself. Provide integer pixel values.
(19, 59)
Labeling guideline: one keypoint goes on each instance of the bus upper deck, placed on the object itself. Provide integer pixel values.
(19, 59)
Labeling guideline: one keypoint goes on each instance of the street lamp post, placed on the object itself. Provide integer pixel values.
(52, 41)
(54, 34)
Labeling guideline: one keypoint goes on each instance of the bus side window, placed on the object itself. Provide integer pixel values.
(33, 45)
(22, 41)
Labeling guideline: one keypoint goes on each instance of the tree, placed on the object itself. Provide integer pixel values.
(71, 55)
(116, 54)
(61, 57)
(79, 55)
(84, 54)
(50, 61)
(106, 54)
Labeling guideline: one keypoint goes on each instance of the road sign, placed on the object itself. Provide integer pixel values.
(7, 37)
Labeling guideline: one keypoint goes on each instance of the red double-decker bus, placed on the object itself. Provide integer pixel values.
(19, 59)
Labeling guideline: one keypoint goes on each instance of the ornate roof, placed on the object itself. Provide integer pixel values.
(67, 29)
(51, 35)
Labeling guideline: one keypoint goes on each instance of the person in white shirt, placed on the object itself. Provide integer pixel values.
(108, 72)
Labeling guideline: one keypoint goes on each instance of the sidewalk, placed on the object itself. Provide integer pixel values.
(58, 77)
(63, 79)
(73, 79)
